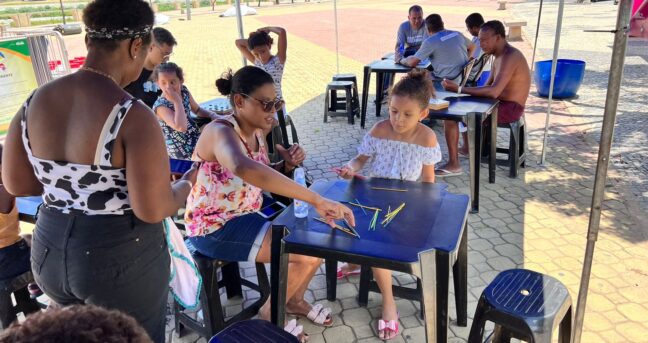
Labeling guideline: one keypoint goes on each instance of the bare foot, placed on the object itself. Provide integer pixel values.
(463, 151)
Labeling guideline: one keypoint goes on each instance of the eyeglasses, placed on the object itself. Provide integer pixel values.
(164, 56)
(268, 106)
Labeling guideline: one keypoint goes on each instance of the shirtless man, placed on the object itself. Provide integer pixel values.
(509, 82)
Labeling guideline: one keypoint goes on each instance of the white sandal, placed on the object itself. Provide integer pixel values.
(296, 330)
(318, 315)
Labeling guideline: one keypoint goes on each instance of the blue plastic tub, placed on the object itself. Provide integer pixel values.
(569, 77)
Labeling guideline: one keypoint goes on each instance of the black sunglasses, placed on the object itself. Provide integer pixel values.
(268, 106)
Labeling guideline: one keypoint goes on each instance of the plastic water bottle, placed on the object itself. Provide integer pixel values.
(301, 208)
(401, 49)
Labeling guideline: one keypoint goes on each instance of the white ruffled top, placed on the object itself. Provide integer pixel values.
(397, 160)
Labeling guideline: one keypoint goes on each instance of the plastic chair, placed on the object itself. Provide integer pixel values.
(212, 309)
(253, 331)
(24, 304)
(525, 305)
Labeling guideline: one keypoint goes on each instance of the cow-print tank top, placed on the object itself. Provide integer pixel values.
(96, 189)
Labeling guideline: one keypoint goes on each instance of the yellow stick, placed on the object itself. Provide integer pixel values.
(363, 206)
(389, 189)
(389, 216)
(338, 227)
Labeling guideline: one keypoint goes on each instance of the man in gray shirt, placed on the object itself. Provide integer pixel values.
(447, 50)
(411, 34)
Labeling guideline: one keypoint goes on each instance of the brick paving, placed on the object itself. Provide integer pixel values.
(537, 221)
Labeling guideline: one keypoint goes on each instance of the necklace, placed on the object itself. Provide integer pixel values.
(96, 71)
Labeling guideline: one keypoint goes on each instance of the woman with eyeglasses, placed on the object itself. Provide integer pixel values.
(173, 108)
(234, 171)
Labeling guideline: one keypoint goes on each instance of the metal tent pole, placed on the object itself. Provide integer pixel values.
(337, 47)
(62, 11)
(239, 23)
(607, 134)
(188, 9)
(535, 43)
(561, 7)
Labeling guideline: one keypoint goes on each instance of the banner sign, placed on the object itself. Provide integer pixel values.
(17, 79)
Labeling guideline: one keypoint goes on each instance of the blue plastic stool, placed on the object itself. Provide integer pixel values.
(253, 331)
(526, 305)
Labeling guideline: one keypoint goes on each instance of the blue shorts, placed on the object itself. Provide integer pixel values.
(239, 240)
(15, 260)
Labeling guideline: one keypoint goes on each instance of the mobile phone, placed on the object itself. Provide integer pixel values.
(271, 210)
(179, 166)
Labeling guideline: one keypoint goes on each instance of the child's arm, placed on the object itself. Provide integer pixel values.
(242, 45)
(199, 111)
(177, 118)
(428, 173)
(282, 45)
(349, 170)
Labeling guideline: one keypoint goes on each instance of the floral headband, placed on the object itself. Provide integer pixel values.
(104, 33)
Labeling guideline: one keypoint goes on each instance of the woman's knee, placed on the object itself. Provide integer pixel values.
(306, 260)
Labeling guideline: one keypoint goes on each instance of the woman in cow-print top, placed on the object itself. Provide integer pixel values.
(98, 158)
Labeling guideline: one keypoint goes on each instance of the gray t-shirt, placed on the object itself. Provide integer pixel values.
(447, 51)
(409, 37)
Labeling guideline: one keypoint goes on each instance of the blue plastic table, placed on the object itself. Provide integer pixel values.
(381, 67)
(425, 239)
(474, 111)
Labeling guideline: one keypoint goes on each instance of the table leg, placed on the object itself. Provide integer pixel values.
(331, 279)
(283, 285)
(427, 263)
(276, 268)
(493, 146)
(365, 281)
(380, 79)
(473, 123)
(443, 279)
(460, 278)
(365, 94)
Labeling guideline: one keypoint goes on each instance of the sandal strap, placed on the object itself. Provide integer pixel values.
(318, 314)
(391, 325)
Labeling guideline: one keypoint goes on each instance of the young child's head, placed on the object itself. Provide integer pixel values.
(259, 44)
(409, 100)
(77, 323)
(252, 95)
(169, 75)
(474, 23)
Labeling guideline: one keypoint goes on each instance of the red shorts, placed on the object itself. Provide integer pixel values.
(509, 111)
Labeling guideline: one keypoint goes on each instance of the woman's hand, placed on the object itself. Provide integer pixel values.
(191, 174)
(450, 86)
(293, 156)
(332, 210)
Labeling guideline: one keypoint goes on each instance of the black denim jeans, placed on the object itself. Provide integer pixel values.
(114, 261)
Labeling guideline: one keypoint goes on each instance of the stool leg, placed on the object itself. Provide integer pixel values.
(523, 144)
(214, 318)
(7, 312)
(365, 280)
(349, 107)
(26, 304)
(264, 283)
(460, 278)
(500, 335)
(478, 325)
(356, 99)
(331, 279)
(514, 151)
(326, 106)
(565, 329)
(333, 104)
(232, 280)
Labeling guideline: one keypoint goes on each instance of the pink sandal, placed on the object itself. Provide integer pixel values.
(341, 273)
(386, 327)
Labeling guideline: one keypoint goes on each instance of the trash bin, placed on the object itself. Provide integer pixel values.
(569, 77)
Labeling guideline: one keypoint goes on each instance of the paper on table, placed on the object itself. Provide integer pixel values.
(438, 104)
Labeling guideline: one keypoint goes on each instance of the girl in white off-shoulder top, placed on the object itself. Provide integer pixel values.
(397, 148)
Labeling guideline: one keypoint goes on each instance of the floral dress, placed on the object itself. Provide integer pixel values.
(219, 196)
(180, 145)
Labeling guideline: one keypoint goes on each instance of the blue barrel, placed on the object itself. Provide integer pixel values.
(569, 77)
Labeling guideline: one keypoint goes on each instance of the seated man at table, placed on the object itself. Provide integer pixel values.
(447, 50)
(509, 82)
(160, 50)
(411, 34)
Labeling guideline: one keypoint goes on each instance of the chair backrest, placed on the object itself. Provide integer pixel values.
(478, 68)
(466, 71)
